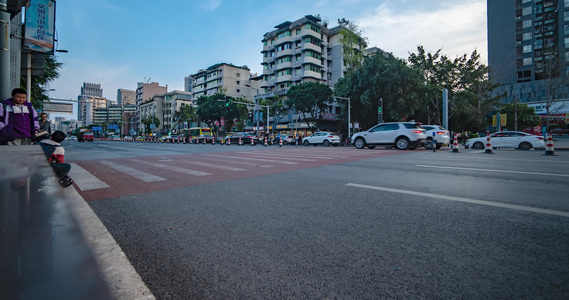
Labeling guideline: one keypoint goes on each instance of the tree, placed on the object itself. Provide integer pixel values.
(310, 99)
(186, 113)
(38, 94)
(381, 77)
(526, 116)
(150, 120)
(352, 41)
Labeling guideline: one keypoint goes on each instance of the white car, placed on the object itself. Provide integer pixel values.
(508, 139)
(403, 135)
(322, 137)
(438, 133)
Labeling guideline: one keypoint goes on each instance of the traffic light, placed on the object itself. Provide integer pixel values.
(227, 101)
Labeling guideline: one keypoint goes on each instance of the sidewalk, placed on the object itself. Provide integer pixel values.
(52, 239)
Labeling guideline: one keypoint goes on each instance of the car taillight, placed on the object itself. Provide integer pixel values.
(418, 131)
(540, 137)
(330, 136)
(441, 132)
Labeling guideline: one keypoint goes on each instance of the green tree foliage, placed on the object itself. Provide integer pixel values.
(310, 99)
(39, 92)
(353, 42)
(186, 113)
(467, 81)
(526, 116)
(148, 121)
(386, 77)
(212, 109)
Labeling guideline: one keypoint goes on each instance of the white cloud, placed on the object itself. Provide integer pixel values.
(457, 29)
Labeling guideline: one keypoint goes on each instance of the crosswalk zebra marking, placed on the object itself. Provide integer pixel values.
(255, 159)
(146, 177)
(172, 168)
(85, 180)
(228, 168)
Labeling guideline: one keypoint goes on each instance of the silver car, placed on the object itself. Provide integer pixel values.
(403, 135)
(322, 137)
(438, 133)
(508, 139)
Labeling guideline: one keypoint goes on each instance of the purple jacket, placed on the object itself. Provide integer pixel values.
(7, 116)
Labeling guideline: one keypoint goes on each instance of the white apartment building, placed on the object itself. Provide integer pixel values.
(224, 78)
(144, 93)
(164, 107)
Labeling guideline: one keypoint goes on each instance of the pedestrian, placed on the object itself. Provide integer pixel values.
(55, 154)
(18, 120)
(45, 128)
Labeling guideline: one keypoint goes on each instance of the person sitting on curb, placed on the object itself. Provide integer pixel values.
(56, 157)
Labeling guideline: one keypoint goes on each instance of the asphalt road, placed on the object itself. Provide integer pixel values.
(367, 224)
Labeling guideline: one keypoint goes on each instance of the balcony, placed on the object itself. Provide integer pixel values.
(286, 52)
(284, 65)
(284, 78)
(312, 60)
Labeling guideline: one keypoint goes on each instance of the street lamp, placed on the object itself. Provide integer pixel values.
(256, 103)
(349, 121)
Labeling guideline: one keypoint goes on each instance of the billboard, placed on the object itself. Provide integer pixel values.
(40, 26)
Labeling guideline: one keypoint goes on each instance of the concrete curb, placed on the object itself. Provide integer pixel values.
(122, 279)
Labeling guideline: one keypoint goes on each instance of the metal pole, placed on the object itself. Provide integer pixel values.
(349, 120)
(4, 51)
(29, 77)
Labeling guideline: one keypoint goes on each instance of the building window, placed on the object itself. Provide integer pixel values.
(298, 31)
(567, 16)
(527, 23)
(284, 34)
(527, 48)
(527, 61)
(538, 44)
(527, 36)
(526, 11)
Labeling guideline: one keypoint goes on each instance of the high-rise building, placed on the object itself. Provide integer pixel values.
(88, 90)
(528, 52)
(126, 97)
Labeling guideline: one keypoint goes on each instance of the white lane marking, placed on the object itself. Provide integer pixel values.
(172, 168)
(504, 159)
(85, 180)
(465, 200)
(497, 171)
(255, 159)
(235, 162)
(228, 168)
(146, 177)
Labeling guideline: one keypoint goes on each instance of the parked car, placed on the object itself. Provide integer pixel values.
(200, 139)
(87, 136)
(140, 138)
(441, 135)
(508, 139)
(322, 137)
(287, 139)
(245, 138)
(71, 138)
(403, 135)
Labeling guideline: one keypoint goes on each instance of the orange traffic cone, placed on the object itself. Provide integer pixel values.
(228, 141)
(213, 140)
(454, 145)
(549, 146)
(252, 142)
(280, 142)
(240, 141)
(265, 141)
(488, 149)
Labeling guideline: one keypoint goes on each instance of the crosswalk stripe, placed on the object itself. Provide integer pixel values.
(228, 168)
(85, 180)
(274, 155)
(146, 177)
(221, 160)
(256, 159)
(172, 168)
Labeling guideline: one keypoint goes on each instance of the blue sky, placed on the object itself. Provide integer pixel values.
(119, 43)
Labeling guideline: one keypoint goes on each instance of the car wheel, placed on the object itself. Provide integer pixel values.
(371, 147)
(402, 143)
(429, 145)
(478, 145)
(525, 146)
(326, 143)
(359, 143)
(306, 143)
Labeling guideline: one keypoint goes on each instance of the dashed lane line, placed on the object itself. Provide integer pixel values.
(146, 177)
(497, 171)
(464, 200)
(85, 180)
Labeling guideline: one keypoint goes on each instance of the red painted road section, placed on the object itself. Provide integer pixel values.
(221, 166)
